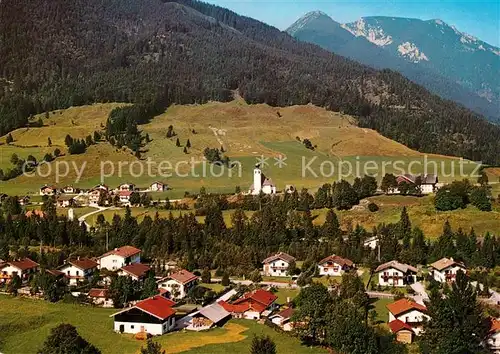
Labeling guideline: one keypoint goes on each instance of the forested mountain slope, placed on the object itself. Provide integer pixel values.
(75, 52)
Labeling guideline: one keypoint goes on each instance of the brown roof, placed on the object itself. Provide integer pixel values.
(83, 263)
(286, 313)
(98, 292)
(23, 264)
(280, 255)
(55, 272)
(338, 260)
(125, 193)
(444, 263)
(234, 308)
(404, 305)
(398, 325)
(136, 269)
(183, 276)
(125, 252)
(395, 264)
(264, 297)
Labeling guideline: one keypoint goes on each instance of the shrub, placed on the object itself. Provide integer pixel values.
(373, 207)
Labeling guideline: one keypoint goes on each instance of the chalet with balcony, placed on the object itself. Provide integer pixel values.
(23, 268)
(158, 187)
(119, 257)
(277, 264)
(48, 190)
(137, 271)
(79, 270)
(335, 265)
(445, 270)
(178, 284)
(396, 274)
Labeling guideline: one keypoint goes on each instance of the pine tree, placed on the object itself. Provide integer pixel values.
(331, 228)
(177, 143)
(188, 144)
(185, 150)
(152, 348)
(262, 345)
(49, 142)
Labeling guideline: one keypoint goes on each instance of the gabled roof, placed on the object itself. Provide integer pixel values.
(46, 186)
(280, 255)
(398, 325)
(444, 263)
(55, 272)
(125, 193)
(214, 312)
(183, 276)
(23, 264)
(260, 296)
(83, 263)
(240, 308)
(156, 306)
(424, 179)
(404, 305)
(338, 260)
(136, 269)
(124, 251)
(98, 293)
(395, 264)
(286, 314)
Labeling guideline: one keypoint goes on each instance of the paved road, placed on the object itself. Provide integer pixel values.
(83, 217)
(268, 283)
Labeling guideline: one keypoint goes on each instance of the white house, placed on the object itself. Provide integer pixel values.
(124, 197)
(427, 183)
(178, 284)
(95, 195)
(371, 242)
(65, 201)
(137, 271)
(445, 270)
(119, 257)
(23, 268)
(397, 274)
(277, 264)
(335, 265)
(69, 190)
(261, 183)
(100, 297)
(48, 190)
(409, 312)
(129, 187)
(282, 319)
(494, 336)
(158, 187)
(154, 316)
(79, 270)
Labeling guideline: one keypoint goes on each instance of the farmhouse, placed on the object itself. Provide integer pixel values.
(494, 335)
(277, 264)
(79, 270)
(124, 197)
(158, 187)
(282, 319)
(445, 270)
(258, 303)
(261, 183)
(95, 195)
(137, 271)
(209, 316)
(22, 268)
(427, 182)
(409, 312)
(334, 265)
(128, 187)
(237, 311)
(178, 284)
(100, 297)
(69, 190)
(153, 316)
(394, 273)
(119, 257)
(64, 201)
(48, 190)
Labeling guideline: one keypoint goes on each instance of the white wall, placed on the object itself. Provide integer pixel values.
(391, 272)
(154, 329)
(173, 285)
(325, 269)
(114, 262)
(440, 276)
(73, 271)
(413, 317)
(281, 272)
(252, 315)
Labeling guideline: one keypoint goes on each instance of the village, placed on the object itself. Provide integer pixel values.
(159, 314)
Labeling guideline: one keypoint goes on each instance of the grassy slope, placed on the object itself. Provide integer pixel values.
(25, 324)
(245, 131)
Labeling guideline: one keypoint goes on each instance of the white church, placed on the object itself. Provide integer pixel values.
(261, 183)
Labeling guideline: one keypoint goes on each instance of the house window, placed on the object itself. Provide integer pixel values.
(282, 264)
(77, 273)
(407, 319)
(325, 269)
(114, 260)
(69, 272)
(131, 326)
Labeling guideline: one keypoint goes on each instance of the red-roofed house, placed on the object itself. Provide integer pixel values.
(494, 335)
(334, 265)
(137, 271)
(257, 302)
(100, 297)
(154, 315)
(178, 284)
(23, 268)
(124, 197)
(119, 257)
(282, 319)
(237, 311)
(79, 270)
(409, 312)
(403, 331)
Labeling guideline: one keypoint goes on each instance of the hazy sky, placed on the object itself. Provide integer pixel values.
(479, 18)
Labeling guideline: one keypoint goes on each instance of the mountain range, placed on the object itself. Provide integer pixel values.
(438, 56)
(158, 53)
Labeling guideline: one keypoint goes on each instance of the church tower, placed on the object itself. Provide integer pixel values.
(257, 180)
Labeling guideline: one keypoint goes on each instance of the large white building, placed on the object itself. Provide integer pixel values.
(178, 284)
(397, 274)
(79, 270)
(154, 316)
(277, 264)
(119, 257)
(334, 266)
(261, 183)
(22, 268)
(445, 270)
